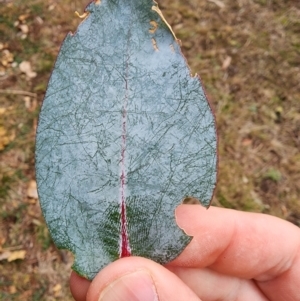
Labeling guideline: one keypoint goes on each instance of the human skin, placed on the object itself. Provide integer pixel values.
(233, 256)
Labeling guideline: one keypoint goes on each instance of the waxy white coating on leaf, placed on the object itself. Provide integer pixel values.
(110, 65)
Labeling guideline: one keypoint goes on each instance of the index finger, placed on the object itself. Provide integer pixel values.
(246, 245)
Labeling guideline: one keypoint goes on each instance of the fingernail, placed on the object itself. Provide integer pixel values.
(137, 286)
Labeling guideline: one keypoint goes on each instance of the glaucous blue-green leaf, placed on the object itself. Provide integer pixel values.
(125, 133)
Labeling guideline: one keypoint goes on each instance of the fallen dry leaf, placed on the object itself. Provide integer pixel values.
(16, 255)
(226, 62)
(4, 138)
(25, 67)
(4, 255)
(6, 57)
(218, 3)
(27, 102)
(12, 289)
(245, 180)
(39, 20)
(51, 7)
(57, 288)
(32, 190)
(24, 28)
(22, 18)
(30, 103)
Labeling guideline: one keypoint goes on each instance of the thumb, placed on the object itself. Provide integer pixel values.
(138, 279)
(137, 286)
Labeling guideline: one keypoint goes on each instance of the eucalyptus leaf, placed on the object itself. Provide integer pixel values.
(125, 134)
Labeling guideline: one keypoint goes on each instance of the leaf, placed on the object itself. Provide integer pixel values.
(125, 134)
(31, 190)
(57, 290)
(25, 67)
(5, 138)
(4, 255)
(16, 255)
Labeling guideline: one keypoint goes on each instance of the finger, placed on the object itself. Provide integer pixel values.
(138, 279)
(285, 286)
(206, 284)
(79, 287)
(245, 245)
(213, 286)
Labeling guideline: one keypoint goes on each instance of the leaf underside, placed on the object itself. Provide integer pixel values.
(125, 133)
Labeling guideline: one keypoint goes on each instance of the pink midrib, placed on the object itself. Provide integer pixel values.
(125, 250)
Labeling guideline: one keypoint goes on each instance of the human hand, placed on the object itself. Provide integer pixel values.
(233, 256)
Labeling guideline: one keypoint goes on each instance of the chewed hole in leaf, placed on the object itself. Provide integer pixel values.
(154, 27)
(191, 201)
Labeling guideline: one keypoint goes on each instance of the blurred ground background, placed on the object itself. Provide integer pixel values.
(247, 53)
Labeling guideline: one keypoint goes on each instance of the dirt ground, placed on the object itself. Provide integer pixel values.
(247, 53)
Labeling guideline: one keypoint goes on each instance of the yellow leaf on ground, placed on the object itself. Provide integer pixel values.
(57, 290)
(16, 255)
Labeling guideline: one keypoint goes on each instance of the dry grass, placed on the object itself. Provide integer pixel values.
(247, 53)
